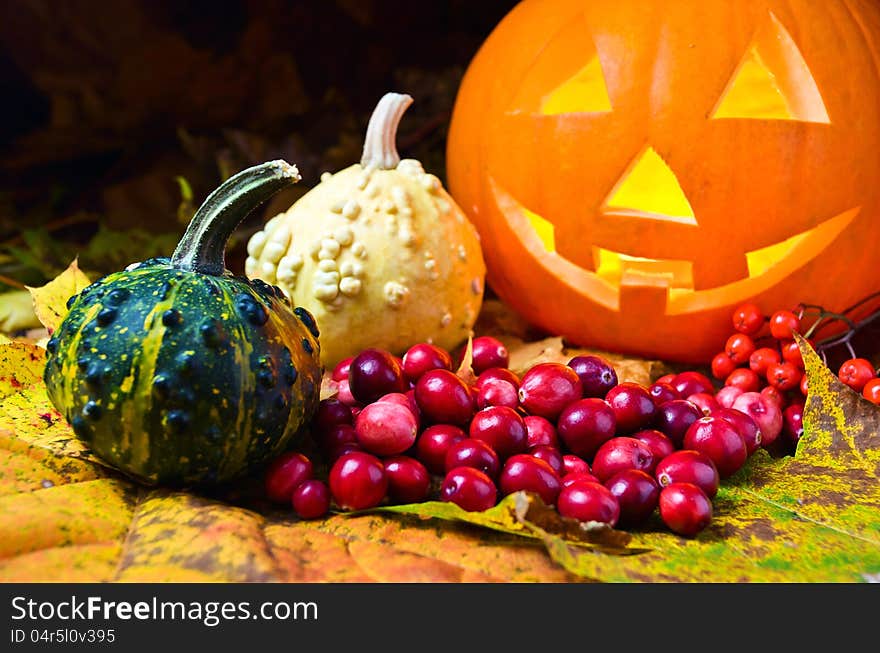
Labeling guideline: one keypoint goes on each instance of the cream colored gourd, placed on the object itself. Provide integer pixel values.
(379, 252)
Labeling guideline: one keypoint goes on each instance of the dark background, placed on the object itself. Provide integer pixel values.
(106, 104)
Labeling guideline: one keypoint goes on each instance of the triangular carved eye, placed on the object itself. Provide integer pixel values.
(772, 81)
(566, 78)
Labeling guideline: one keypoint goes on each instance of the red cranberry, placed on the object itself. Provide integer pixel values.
(499, 374)
(540, 431)
(762, 358)
(284, 473)
(705, 402)
(660, 445)
(661, 393)
(775, 394)
(597, 375)
(488, 352)
(744, 379)
(469, 489)
(408, 480)
(575, 477)
(584, 425)
(407, 400)
(385, 428)
(793, 423)
(687, 466)
(622, 453)
(727, 395)
(685, 508)
(667, 378)
(497, 393)
(675, 417)
(373, 373)
(444, 398)
(331, 412)
(744, 425)
(434, 442)
(336, 437)
(765, 412)
(637, 494)
(720, 441)
(550, 455)
(471, 452)
(690, 382)
(547, 388)
(422, 358)
(343, 449)
(311, 499)
(343, 393)
(358, 481)
(632, 405)
(340, 371)
(525, 472)
(587, 501)
(572, 464)
(501, 428)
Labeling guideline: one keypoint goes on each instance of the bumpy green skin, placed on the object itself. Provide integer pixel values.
(184, 379)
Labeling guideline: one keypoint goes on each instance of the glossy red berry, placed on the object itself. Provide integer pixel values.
(691, 382)
(469, 489)
(637, 494)
(597, 375)
(343, 393)
(633, 407)
(793, 423)
(530, 474)
(744, 425)
(497, 393)
(804, 385)
(340, 371)
(540, 431)
(333, 440)
(856, 372)
(497, 373)
(358, 481)
(765, 412)
(720, 441)
(688, 466)
(675, 417)
(408, 479)
(763, 358)
(433, 444)
(572, 464)
(575, 477)
(792, 353)
(739, 347)
(422, 358)
(551, 456)
(471, 452)
(722, 366)
(621, 453)
(284, 473)
(311, 499)
(386, 428)
(502, 428)
(704, 401)
(748, 319)
(685, 508)
(783, 325)
(407, 400)
(775, 394)
(784, 377)
(547, 388)
(744, 379)
(331, 412)
(727, 395)
(871, 391)
(585, 425)
(662, 392)
(659, 444)
(444, 398)
(488, 352)
(667, 378)
(373, 373)
(586, 501)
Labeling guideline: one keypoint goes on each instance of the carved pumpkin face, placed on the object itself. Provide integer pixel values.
(638, 168)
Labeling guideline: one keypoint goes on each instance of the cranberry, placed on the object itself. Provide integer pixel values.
(691, 382)
(720, 441)
(471, 452)
(407, 400)
(540, 431)
(497, 373)
(584, 425)
(662, 392)
(550, 455)
(525, 472)
(331, 412)
(574, 477)
(685, 508)
(284, 473)
(422, 358)
(722, 365)
(332, 440)
(727, 395)
(587, 501)
(408, 480)
(386, 428)
(622, 453)
(688, 466)
(675, 417)
(343, 393)
(497, 393)
(660, 445)
(748, 319)
(597, 375)
(488, 352)
(311, 499)
(501, 428)
(765, 412)
(373, 373)
(444, 398)
(572, 464)
(358, 481)
(637, 494)
(775, 394)
(343, 449)
(434, 442)
(469, 489)
(633, 407)
(705, 402)
(744, 379)
(668, 379)
(340, 371)
(744, 425)
(793, 423)
(547, 388)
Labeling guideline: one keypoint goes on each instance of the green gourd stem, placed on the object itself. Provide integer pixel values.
(202, 248)
(380, 150)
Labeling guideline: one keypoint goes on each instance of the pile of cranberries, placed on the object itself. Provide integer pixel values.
(406, 430)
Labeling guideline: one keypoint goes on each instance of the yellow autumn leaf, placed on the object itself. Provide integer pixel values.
(50, 300)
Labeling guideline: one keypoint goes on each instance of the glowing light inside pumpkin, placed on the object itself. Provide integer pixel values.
(584, 91)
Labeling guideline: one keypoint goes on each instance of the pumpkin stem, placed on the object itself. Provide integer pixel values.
(203, 246)
(380, 150)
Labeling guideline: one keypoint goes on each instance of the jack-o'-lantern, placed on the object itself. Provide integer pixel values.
(637, 168)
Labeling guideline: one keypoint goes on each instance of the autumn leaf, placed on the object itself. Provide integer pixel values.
(17, 311)
(50, 300)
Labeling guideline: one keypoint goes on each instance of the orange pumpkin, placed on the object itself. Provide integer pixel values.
(638, 168)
